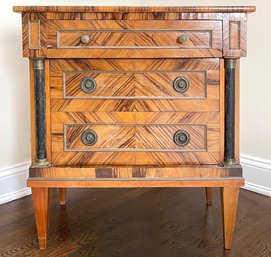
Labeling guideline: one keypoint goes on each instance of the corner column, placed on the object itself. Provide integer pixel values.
(39, 74)
(230, 67)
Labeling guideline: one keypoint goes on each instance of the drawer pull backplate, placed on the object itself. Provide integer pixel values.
(181, 84)
(181, 138)
(85, 39)
(88, 85)
(89, 137)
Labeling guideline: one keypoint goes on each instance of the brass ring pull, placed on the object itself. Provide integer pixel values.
(89, 137)
(183, 38)
(181, 138)
(88, 85)
(181, 84)
(85, 39)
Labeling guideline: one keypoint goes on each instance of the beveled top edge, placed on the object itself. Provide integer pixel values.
(186, 9)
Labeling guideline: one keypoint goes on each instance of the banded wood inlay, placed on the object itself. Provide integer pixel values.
(135, 16)
(124, 172)
(136, 9)
(235, 37)
(34, 35)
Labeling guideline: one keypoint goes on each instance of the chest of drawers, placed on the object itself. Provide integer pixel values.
(134, 97)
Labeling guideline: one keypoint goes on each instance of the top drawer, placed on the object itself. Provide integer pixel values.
(134, 39)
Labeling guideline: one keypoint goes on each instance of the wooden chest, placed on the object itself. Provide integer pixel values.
(134, 97)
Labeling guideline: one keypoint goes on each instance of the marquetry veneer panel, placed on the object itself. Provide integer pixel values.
(127, 37)
(120, 79)
(134, 137)
(135, 85)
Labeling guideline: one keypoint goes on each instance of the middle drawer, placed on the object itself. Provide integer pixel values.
(88, 80)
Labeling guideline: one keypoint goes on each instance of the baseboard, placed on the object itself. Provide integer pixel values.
(257, 174)
(13, 182)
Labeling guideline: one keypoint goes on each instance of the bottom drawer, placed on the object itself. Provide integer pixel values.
(136, 144)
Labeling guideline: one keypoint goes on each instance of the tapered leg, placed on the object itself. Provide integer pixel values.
(209, 195)
(41, 202)
(62, 195)
(229, 197)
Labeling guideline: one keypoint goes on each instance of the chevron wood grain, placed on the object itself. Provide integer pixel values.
(127, 85)
(61, 118)
(107, 85)
(155, 141)
(133, 137)
(72, 39)
(127, 36)
(127, 105)
(203, 82)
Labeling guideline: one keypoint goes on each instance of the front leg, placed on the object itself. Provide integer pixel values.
(229, 200)
(62, 192)
(41, 202)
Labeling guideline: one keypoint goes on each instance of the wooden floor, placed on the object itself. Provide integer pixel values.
(137, 223)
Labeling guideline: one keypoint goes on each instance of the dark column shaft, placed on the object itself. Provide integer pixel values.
(230, 66)
(41, 156)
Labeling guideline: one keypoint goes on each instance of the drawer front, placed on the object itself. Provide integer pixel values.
(136, 144)
(130, 84)
(123, 85)
(134, 38)
(134, 137)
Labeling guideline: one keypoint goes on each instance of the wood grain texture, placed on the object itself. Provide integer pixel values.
(200, 9)
(141, 172)
(41, 202)
(229, 200)
(131, 85)
(108, 38)
(122, 15)
(135, 137)
(123, 64)
(235, 35)
(34, 35)
(126, 79)
(134, 39)
(153, 183)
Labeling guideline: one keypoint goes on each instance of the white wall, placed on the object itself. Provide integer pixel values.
(14, 97)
